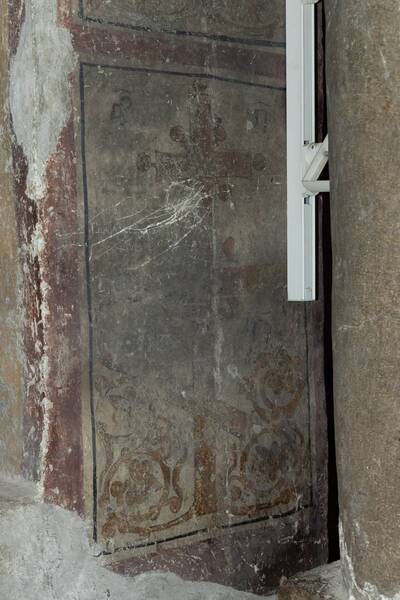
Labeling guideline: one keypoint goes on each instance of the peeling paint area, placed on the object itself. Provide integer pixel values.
(39, 88)
(41, 107)
(35, 251)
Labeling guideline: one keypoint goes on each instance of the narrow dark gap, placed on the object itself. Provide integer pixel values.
(326, 283)
(333, 495)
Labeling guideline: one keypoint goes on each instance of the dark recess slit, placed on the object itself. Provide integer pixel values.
(326, 285)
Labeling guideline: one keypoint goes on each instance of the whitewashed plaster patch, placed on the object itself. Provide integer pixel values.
(45, 555)
(39, 88)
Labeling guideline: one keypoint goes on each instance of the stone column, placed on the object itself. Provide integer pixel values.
(363, 77)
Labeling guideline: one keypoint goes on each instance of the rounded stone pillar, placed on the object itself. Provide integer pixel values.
(363, 79)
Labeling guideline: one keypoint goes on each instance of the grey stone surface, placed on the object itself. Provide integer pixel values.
(323, 583)
(16, 492)
(364, 129)
(47, 557)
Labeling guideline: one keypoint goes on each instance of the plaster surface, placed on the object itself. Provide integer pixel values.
(39, 88)
(364, 130)
(48, 557)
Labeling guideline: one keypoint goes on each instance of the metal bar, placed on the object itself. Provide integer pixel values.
(300, 50)
(317, 187)
(319, 154)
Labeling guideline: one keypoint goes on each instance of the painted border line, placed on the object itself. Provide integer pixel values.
(180, 33)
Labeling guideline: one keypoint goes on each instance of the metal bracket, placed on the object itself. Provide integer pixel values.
(315, 160)
(306, 159)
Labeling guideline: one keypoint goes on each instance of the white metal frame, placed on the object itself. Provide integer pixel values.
(306, 159)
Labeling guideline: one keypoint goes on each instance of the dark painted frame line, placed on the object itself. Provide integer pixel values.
(190, 534)
(189, 75)
(89, 300)
(181, 33)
